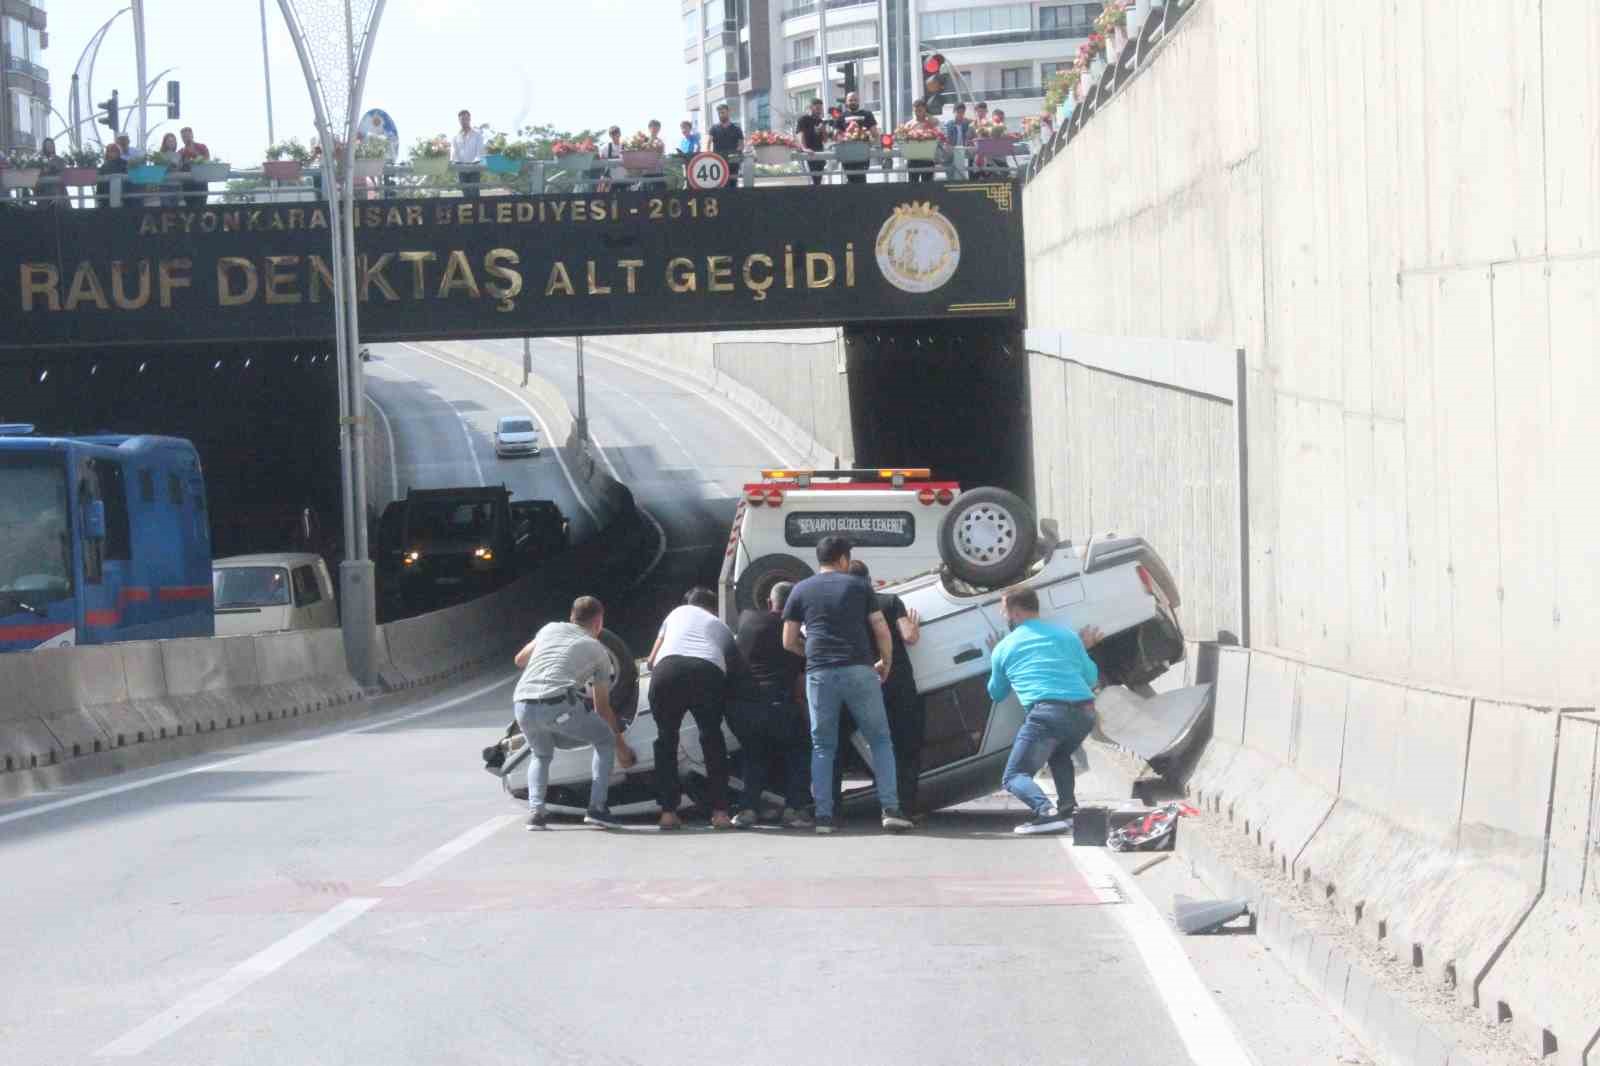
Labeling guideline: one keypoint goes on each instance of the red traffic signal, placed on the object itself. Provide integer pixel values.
(887, 140)
(933, 64)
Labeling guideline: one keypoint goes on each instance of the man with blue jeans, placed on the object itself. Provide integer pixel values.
(1049, 669)
(832, 618)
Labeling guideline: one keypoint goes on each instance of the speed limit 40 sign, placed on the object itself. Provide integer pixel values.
(707, 170)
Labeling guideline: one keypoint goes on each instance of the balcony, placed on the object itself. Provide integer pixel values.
(18, 65)
(981, 40)
(1020, 92)
(802, 63)
(809, 7)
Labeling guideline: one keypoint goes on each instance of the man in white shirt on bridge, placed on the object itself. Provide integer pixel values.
(467, 147)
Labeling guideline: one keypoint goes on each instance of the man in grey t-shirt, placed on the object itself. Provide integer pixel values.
(556, 665)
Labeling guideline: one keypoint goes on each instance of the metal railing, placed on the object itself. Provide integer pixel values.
(537, 177)
(802, 63)
(21, 66)
(980, 40)
(1019, 92)
(807, 7)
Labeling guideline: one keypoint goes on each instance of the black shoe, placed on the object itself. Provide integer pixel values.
(895, 822)
(824, 825)
(537, 821)
(603, 818)
(1047, 821)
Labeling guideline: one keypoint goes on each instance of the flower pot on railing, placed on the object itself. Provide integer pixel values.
(79, 176)
(641, 161)
(579, 161)
(996, 147)
(147, 174)
(773, 155)
(852, 151)
(918, 151)
(21, 179)
(422, 167)
(502, 165)
(209, 172)
(373, 168)
(281, 169)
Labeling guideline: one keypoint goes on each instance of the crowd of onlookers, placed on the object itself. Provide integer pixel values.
(178, 153)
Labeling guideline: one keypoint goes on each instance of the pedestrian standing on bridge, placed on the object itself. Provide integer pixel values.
(693, 656)
(467, 147)
(767, 715)
(814, 130)
(727, 140)
(1049, 669)
(556, 665)
(833, 619)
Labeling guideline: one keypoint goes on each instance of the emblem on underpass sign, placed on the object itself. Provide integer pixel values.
(918, 249)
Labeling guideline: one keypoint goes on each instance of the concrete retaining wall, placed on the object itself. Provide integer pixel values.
(1459, 834)
(71, 703)
(1416, 284)
(793, 381)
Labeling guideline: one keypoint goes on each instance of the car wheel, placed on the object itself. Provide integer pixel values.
(755, 584)
(624, 676)
(987, 537)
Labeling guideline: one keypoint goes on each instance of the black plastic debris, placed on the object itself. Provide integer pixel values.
(1195, 916)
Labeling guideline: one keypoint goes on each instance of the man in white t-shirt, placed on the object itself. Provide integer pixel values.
(467, 147)
(690, 663)
(556, 665)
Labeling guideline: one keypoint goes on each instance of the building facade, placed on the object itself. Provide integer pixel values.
(765, 57)
(24, 82)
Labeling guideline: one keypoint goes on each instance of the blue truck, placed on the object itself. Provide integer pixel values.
(103, 538)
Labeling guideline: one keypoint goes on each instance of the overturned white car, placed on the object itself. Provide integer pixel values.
(1118, 584)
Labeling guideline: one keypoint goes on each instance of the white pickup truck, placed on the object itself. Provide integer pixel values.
(1118, 584)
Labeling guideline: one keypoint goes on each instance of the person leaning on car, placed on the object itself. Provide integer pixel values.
(767, 716)
(1049, 669)
(841, 627)
(694, 655)
(556, 664)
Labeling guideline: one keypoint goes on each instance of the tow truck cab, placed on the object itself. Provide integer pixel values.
(891, 516)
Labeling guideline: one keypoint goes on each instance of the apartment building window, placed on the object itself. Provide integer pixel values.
(803, 48)
(720, 67)
(744, 60)
(1078, 18)
(1048, 71)
(1007, 18)
(691, 27)
(852, 38)
(1013, 77)
(800, 101)
(719, 17)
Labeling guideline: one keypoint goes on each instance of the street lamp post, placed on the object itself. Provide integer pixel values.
(333, 40)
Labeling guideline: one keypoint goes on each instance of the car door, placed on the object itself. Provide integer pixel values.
(951, 663)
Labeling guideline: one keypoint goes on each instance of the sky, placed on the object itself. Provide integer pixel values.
(569, 63)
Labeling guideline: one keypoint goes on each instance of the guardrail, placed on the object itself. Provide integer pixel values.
(22, 66)
(537, 177)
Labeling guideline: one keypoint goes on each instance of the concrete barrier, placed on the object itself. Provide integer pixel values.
(1421, 817)
(69, 707)
(1545, 984)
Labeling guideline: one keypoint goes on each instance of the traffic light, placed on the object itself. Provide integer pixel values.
(110, 109)
(937, 84)
(847, 71)
(172, 99)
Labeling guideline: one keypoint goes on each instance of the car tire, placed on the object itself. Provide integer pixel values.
(625, 685)
(755, 584)
(988, 537)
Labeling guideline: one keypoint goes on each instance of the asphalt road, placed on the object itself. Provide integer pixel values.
(366, 894)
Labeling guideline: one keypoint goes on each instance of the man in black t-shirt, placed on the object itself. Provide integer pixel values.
(727, 140)
(767, 716)
(813, 129)
(834, 620)
(905, 707)
(855, 173)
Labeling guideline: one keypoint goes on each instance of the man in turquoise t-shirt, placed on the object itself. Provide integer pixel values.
(1049, 669)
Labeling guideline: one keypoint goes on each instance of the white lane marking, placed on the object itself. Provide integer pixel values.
(130, 786)
(1206, 1032)
(555, 446)
(236, 980)
(394, 457)
(445, 852)
(728, 407)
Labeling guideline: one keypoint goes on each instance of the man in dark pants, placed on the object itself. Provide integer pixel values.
(1049, 669)
(905, 707)
(693, 655)
(768, 718)
(855, 173)
(813, 131)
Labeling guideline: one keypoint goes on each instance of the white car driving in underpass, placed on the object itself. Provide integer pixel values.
(1118, 584)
